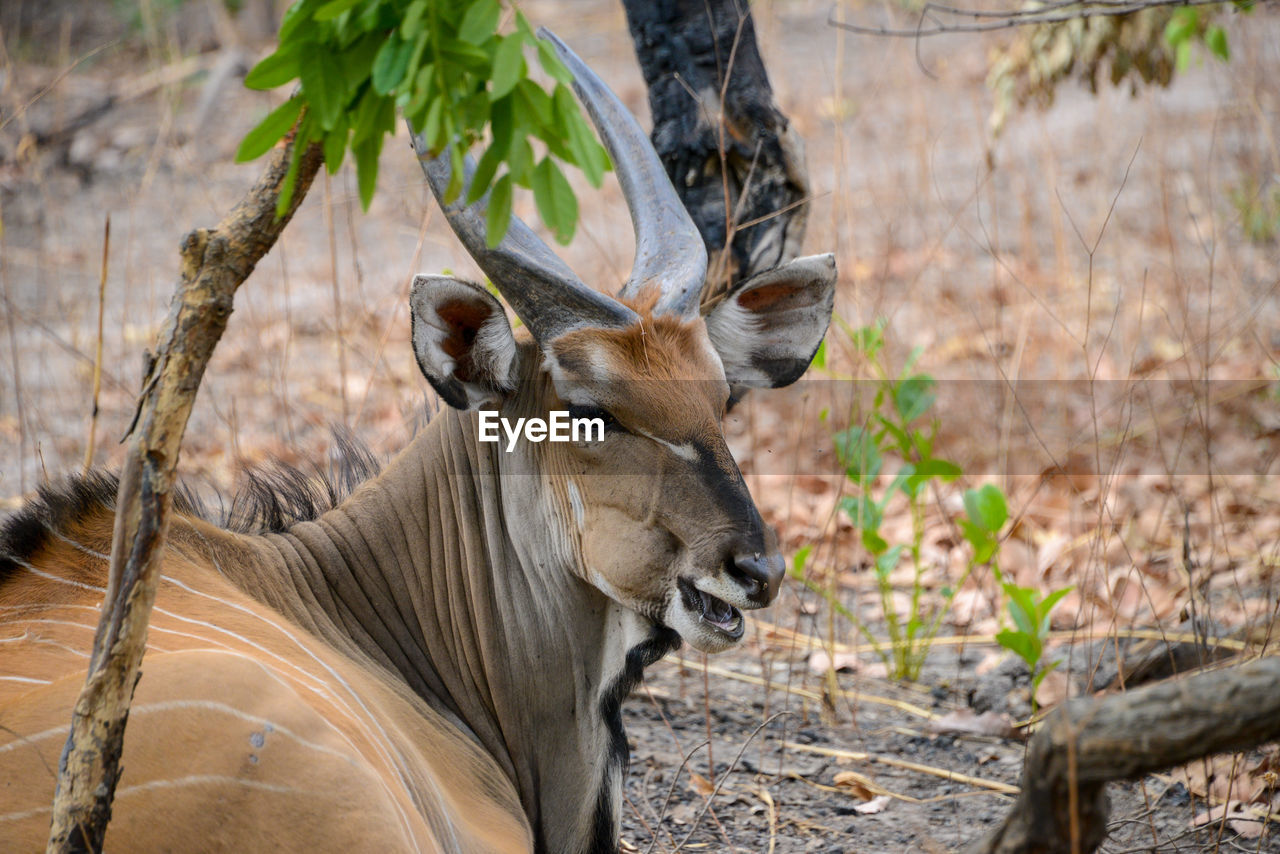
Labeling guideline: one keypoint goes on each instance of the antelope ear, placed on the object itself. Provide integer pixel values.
(463, 341)
(769, 327)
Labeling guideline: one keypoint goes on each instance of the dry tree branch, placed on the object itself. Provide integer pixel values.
(1088, 742)
(987, 20)
(215, 262)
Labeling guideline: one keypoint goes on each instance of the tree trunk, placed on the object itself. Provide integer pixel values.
(214, 264)
(733, 158)
(1087, 742)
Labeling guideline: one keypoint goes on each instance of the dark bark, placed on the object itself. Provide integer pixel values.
(1088, 742)
(215, 262)
(734, 159)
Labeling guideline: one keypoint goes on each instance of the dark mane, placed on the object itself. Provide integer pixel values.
(281, 495)
(271, 500)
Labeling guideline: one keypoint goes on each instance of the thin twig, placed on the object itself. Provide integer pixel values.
(707, 805)
(953, 776)
(97, 353)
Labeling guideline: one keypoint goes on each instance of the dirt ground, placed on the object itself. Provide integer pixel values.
(1104, 332)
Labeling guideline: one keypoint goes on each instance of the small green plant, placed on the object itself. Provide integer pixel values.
(1030, 615)
(986, 512)
(896, 426)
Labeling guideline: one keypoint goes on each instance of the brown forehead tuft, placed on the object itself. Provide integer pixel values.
(663, 346)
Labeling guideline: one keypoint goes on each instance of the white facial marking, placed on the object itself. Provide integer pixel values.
(683, 450)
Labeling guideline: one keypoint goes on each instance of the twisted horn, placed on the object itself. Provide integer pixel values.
(669, 248)
(539, 287)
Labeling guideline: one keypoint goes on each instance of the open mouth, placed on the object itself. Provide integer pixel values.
(717, 613)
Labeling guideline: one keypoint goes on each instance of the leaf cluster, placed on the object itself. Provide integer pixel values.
(1030, 613)
(445, 65)
(896, 427)
(1145, 46)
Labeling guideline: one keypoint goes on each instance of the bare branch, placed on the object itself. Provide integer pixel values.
(1087, 742)
(215, 262)
(987, 20)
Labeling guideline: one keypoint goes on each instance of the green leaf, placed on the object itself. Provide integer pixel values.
(1181, 27)
(377, 16)
(556, 202)
(274, 70)
(1183, 54)
(498, 214)
(589, 156)
(984, 544)
(986, 507)
(480, 21)
(1215, 38)
(365, 122)
(366, 154)
(335, 146)
(1050, 602)
(502, 124)
(465, 55)
(333, 9)
(551, 63)
(298, 22)
(457, 169)
(888, 561)
(863, 511)
(390, 64)
(433, 127)
(1054, 598)
(411, 24)
(523, 26)
(508, 65)
(415, 111)
(1022, 607)
(913, 397)
(904, 480)
(944, 469)
(1020, 645)
(485, 170)
(873, 542)
(520, 161)
(857, 452)
(357, 59)
(533, 103)
(323, 85)
(270, 130)
(300, 142)
(798, 562)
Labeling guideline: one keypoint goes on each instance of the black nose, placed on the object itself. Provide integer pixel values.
(759, 573)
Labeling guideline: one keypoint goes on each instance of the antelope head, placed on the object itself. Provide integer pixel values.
(656, 516)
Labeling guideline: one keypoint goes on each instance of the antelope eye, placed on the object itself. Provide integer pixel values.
(611, 424)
